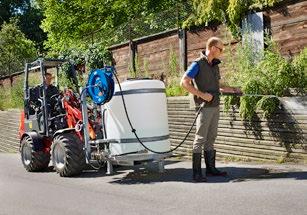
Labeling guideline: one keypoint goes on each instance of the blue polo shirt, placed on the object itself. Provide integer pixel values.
(193, 70)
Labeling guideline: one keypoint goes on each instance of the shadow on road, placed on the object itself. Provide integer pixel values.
(147, 174)
(235, 174)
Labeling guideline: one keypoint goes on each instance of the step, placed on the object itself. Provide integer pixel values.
(272, 149)
(287, 137)
(189, 143)
(9, 149)
(9, 130)
(9, 123)
(241, 124)
(187, 126)
(248, 154)
(280, 118)
(9, 137)
(226, 155)
(10, 144)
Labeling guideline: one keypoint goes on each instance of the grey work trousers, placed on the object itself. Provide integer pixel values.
(206, 129)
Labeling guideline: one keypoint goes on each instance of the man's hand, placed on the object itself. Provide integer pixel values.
(232, 90)
(237, 90)
(207, 97)
(186, 83)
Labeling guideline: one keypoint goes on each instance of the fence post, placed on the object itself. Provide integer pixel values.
(132, 50)
(182, 34)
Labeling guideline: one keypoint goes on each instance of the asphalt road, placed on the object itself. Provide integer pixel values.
(249, 189)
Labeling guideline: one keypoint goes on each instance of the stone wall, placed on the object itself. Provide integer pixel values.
(282, 138)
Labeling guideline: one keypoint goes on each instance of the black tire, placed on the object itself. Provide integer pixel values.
(68, 156)
(33, 161)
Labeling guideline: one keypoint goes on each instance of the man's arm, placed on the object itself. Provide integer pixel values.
(186, 83)
(234, 90)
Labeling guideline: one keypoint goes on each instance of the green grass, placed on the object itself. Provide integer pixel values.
(5, 98)
(12, 97)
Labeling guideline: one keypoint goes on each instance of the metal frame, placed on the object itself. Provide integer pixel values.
(42, 65)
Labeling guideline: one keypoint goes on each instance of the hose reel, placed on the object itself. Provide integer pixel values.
(100, 85)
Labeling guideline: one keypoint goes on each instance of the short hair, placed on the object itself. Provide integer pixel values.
(48, 74)
(213, 41)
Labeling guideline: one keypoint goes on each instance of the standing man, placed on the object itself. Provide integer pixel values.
(202, 80)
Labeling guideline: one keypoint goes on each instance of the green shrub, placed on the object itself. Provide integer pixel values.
(17, 94)
(174, 89)
(13, 97)
(4, 98)
(271, 74)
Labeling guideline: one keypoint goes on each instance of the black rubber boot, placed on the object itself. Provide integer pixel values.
(197, 173)
(210, 164)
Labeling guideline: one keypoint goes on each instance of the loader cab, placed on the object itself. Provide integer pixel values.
(39, 102)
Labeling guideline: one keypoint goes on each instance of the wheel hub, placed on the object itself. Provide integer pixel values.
(27, 154)
(59, 156)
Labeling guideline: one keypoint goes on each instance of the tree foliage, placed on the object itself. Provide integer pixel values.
(29, 15)
(15, 48)
(229, 12)
(72, 24)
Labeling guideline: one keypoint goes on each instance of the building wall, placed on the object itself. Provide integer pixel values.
(288, 26)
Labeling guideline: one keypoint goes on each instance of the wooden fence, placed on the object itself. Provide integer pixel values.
(286, 23)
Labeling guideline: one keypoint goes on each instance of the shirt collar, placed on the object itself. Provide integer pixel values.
(205, 57)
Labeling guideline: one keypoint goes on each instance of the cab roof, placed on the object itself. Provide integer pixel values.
(46, 63)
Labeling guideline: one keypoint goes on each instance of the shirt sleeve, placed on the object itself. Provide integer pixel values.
(193, 70)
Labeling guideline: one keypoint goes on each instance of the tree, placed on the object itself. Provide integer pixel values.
(229, 12)
(8, 8)
(29, 14)
(15, 49)
(71, 24)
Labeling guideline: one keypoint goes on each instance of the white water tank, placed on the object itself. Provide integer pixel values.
(147, 108)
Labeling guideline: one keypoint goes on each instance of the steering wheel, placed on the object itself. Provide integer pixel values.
(55, 95)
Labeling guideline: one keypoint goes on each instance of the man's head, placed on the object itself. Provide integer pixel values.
(215, 47)
(49, 78)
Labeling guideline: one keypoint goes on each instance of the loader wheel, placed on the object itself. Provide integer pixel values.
(32, 160)
(68, 157)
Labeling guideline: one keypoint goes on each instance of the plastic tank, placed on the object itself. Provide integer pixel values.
(147, 108)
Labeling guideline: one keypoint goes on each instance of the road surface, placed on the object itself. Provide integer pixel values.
(249, 189)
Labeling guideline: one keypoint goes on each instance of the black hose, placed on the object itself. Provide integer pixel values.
(133, 130)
